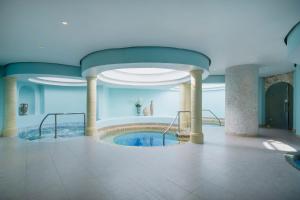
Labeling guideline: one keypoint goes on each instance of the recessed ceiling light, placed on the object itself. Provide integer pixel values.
(64, 23)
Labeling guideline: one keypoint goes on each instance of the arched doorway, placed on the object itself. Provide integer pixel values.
(279, 106)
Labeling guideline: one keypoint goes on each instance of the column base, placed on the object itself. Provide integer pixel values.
(10, 132)
(90, 131)
(255, 134)
(196, 138)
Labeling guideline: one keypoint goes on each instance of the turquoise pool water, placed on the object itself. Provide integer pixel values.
(293, 159)
(145, 139)
(297, 162)
(48, 132)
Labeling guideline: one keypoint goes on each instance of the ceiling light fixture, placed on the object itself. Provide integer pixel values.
(64, 23)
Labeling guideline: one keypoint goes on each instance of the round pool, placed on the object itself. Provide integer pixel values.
(145, 139)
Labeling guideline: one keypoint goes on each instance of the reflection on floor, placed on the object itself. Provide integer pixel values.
(225, 167)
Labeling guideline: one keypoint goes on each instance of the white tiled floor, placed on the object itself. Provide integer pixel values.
(225, 167)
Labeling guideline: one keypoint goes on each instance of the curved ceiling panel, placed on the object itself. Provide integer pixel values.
(38, 68)
(172, 58)
(292, 41)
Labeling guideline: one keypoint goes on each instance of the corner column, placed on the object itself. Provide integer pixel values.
(196, 107)
(241, 100)
(91, 108)
(10, 104)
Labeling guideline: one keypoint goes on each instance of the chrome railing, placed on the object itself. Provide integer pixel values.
(55, 121)
(172, 123)
(178, 125)
(213, 114)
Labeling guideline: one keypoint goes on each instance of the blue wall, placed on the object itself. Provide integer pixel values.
(64, 99)
(122, 101)
(297, 99)
(1, 99)
(166, 102)
(102, 102)
(50, 99)
(215, 101)
(27, 95)
(111, 102)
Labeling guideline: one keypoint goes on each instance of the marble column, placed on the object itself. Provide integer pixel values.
(10, 104)
(241, 100)
(91, 108)
(196, 107)
(185, 104)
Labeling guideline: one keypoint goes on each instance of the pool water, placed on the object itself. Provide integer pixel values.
(293, 159)
(62, 131)
(297, 162)
(145, 139)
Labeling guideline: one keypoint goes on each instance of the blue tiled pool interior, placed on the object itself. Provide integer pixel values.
(297, 162)
(145, 139)
(48, 132)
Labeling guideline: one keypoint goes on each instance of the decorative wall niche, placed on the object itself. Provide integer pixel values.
(26, 96)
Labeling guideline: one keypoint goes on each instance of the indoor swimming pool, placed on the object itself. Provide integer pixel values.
(293, 159)
(145, 139)
(63, 131)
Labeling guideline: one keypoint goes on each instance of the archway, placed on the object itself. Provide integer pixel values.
(279, 106)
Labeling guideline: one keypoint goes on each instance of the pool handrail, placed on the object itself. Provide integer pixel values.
(178, 125)
(215, 116)
(172, 123)
(55, 122)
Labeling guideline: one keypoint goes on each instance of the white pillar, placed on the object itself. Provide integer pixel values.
(10, 104)
(185, 104)
(91, 108)
(241, 100)
(196, 107)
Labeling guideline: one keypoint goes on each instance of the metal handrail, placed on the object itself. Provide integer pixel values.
(211, 112)
(55, 121)
(172, 123)
(178, 126)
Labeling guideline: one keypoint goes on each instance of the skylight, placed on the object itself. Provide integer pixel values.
(146, 71)
(59, 79)
(144, 76)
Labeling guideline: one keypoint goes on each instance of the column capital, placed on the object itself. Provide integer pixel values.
(88, 78)
(10, 78)
(196, 72)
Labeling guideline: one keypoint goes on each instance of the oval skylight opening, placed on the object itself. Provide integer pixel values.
(144, 76)
(146, 71)
(59, 79)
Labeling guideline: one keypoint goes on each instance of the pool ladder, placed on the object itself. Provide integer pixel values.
(55, 121)
(214, 115)
(172, 123)
(178, 125)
